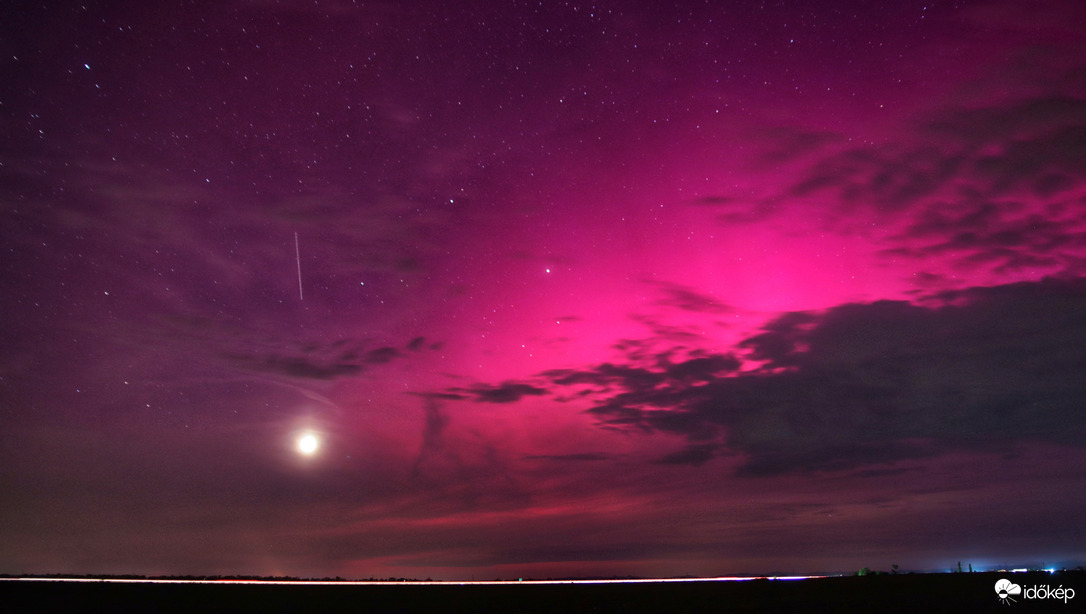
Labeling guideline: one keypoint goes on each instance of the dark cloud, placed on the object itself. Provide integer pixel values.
(782, 340)
(662, 329)
(696, 455)
(993, 152)
(608, 376)
(509, 392)
(991, 188)
(834, 457)
(702, 369)
(296, 366)
(689, 299)
(343, 358)
(586, 457)
(1001, 237)
(381, 356)
(864, 384)
(447, 396)
(871, 177)
(435, 424)
(789, 145)
(715, 201)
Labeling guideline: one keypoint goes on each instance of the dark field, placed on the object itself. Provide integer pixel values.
(923, 593)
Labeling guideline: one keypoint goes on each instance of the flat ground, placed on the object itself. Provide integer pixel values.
(923, 593)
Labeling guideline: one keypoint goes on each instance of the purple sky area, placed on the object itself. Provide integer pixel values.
(625, 288)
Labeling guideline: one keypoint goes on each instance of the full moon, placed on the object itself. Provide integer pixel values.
(307, 444)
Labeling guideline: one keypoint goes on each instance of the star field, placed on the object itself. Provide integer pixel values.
(541, 288)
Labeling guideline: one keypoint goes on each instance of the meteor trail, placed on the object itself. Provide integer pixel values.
(298, 258)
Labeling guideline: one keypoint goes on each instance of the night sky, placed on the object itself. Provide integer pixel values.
(553, 289)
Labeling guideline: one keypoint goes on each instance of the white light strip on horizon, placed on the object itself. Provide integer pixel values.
(410, 582)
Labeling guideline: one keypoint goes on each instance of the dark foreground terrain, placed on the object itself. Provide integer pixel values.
(923, 593)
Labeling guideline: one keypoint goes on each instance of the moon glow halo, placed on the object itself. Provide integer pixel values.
(307, 444)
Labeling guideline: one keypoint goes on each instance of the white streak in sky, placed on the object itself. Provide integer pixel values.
(298, 258)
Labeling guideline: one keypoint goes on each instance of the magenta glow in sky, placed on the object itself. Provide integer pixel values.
(588, 289)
